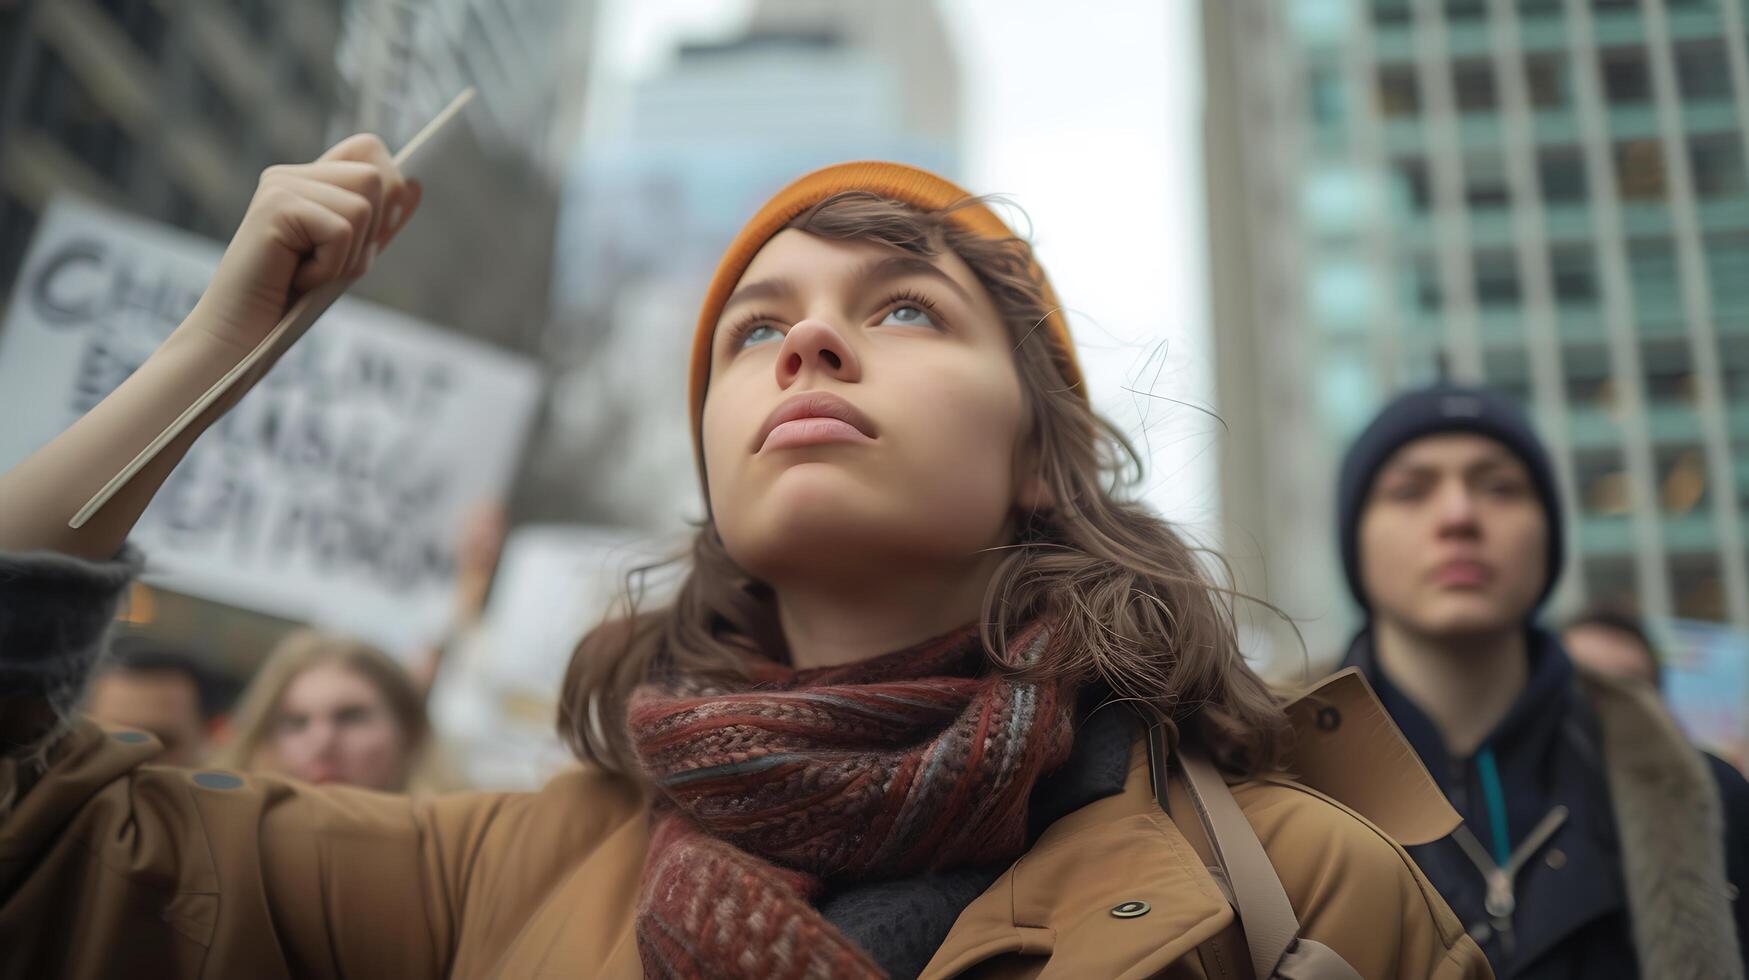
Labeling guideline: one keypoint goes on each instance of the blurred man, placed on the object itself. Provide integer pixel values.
(160, 690)
(1592, 842)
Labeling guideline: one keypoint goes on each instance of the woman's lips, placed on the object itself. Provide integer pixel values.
(812, 431)
(811, 418)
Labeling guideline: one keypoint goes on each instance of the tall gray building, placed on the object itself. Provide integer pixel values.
(1549, 196)
(664, 185)
(158, 106)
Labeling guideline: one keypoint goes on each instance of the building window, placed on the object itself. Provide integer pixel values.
(258, 15)
(1639, 170)
(1625, 78)
(1428, 294)
(1652, 267)
(1390, 12)
(1734, 369)
(1507, 373)
(1325, 95)
(1466, 9)
(1727, 259)
(1610, 581)
(1545, 79)
(1702, 71)
(141, 20)
(1603, 482)
(1575, 275)
(213, 107)
(1588, 379)
(1413, 183)
(1696, 587)
(1496, 280)
(1485, 182)
(1473, 81)
(1717, 162)
(60, 106)
(1399, 93)
(1669, 373)
(1682, 482)
(1561, 170)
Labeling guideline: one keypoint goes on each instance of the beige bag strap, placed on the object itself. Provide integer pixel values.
(1266, 916)
(1264, 911)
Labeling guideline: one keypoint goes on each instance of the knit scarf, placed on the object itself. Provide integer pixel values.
(920, 760)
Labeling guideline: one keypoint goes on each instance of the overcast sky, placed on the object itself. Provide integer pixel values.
(1087, 114)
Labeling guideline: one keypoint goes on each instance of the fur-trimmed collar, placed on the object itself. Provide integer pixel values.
(1671, 823)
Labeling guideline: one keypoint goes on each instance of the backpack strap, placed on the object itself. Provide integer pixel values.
(1267, 918)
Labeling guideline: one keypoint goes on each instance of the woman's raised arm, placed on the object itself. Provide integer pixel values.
(307, 225)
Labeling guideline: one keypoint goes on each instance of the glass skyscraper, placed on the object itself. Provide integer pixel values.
(1548, 196)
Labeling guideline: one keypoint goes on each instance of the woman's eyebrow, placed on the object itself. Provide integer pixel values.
(901, 266)
(874, 271)
(776, 288)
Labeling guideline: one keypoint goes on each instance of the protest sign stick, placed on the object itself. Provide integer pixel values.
(296, 321)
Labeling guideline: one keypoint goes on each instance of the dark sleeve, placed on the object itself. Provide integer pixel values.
(55, 612)
(1734, 793)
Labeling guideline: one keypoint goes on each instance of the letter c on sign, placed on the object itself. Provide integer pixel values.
(63, 309)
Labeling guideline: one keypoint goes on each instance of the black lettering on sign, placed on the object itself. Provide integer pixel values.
(57, 292)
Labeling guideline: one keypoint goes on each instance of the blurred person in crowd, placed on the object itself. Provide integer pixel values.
(150, 685)
(329, 709)
(1593, 842)
(1607, 639)
(931, 697)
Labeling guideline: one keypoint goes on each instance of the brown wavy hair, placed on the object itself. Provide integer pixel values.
(1132, 607)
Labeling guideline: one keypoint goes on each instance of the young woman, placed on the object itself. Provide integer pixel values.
(328, 709)
(897, 721)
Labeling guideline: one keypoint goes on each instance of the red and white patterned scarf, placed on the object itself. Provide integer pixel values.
(920, 760)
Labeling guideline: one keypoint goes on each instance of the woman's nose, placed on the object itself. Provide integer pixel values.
(815, 346)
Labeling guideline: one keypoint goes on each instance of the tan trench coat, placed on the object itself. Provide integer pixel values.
(112, 866)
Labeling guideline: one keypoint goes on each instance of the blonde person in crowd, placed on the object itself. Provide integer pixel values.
(933, 699)
(325, 708)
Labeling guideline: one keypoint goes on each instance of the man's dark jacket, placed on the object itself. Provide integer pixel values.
(1594, 747)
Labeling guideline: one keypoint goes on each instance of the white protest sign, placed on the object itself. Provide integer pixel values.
(334, 492)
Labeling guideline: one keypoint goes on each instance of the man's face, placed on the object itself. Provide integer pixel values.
(1611, 651)
(1453, 540)
(163, 702)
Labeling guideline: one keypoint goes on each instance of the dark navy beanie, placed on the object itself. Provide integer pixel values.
(1428, 411)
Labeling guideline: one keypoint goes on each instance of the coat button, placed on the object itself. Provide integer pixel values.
(1481, 933)
(1130, 910)
(1556, 860)
(1329, 719)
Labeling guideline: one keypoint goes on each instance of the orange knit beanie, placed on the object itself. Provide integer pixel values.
(918, 188)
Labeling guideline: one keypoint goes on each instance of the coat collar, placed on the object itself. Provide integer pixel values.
(1058, 899)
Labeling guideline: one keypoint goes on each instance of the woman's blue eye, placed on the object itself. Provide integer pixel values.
(753, 334)
(908, 316)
